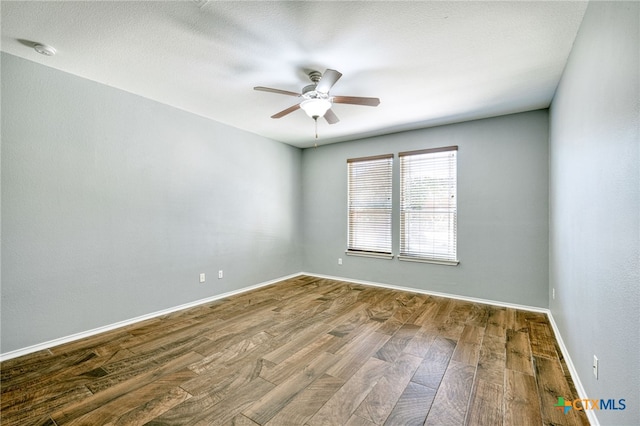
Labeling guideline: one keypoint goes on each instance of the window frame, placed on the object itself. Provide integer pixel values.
(355, 248)
(449, 209)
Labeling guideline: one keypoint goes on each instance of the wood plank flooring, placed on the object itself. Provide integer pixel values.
(305, 351)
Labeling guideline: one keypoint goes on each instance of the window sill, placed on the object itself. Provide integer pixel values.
(369, 254)
(434, 261)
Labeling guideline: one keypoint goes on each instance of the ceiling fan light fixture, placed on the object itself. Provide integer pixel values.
(315, 108)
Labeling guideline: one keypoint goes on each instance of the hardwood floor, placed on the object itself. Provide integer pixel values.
(306, 351)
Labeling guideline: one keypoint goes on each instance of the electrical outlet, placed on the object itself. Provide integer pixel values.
(595, 366)
(220, 274)
(202, 277)
(339, 261)
(553, 293)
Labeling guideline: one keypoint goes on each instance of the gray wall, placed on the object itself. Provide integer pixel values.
(595, 207)
(113, 204)
(502, 210)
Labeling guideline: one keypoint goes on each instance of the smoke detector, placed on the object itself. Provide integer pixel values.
(43, 49)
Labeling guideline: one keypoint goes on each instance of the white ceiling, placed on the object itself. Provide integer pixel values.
(429, 62)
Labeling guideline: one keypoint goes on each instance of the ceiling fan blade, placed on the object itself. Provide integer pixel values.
(327, 81)
(356, 100)
(286, 111)
(331, 116)
(282, 92)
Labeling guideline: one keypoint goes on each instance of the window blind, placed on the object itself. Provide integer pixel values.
(369, 204)
(428, 205)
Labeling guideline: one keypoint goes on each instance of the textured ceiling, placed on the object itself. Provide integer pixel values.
(429, 63)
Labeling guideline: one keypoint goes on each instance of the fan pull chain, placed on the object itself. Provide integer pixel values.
(316, 120)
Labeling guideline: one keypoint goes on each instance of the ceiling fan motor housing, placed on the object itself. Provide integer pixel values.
(315, 76)
(309, 92)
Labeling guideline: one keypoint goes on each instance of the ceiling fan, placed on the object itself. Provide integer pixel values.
(316, 100)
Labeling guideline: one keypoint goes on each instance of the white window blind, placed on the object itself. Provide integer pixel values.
(428, 205)
(369, 204)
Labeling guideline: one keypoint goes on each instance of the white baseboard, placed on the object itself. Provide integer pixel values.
(55, 342)
(582, 394)
(433, 293)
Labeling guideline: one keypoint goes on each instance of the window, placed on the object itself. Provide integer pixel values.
(369, 198)
(428, 205)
